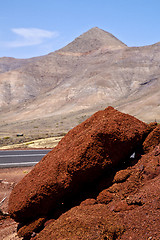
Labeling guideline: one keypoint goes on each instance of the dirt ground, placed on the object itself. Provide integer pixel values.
(8, 178)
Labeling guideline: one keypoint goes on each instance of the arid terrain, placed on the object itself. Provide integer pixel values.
(40, 143)
(100, 182)
(49, 95)
(43, 98)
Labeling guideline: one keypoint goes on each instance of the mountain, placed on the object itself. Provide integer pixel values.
(55, 92)
(92, 40)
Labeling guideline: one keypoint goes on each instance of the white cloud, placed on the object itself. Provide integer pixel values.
(30, 37)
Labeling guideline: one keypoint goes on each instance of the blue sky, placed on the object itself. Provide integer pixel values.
(31, 28)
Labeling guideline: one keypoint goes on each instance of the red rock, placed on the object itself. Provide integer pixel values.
(152, 125)
(27, 230)
(151, 162)
(134, 200)
(84, 222)
(119, 206)
(89, 201)
(142, 222)
(121, 176)
(148, 167)
(104, 197)
(132, 220)
(152, 140)
(133, 213)
(99, 143)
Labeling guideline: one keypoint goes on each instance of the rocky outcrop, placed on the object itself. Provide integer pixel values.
(98, 144)
(128, 209)
(91, 181)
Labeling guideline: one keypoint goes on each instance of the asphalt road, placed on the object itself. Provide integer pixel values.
(21, 158)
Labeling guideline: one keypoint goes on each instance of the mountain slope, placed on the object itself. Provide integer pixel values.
(92, 72)
(8, 64)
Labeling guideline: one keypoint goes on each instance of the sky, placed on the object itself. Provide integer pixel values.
(30, 28)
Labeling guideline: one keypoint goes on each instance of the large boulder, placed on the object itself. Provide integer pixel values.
(101, 142)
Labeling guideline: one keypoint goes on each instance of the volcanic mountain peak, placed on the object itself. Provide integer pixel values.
(93, 39)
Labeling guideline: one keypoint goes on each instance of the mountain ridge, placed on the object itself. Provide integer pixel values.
(74, 83)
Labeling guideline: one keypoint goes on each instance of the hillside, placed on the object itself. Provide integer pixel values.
(55, 92)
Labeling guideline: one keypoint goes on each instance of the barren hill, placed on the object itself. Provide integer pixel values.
(55, 92)
(94, 39)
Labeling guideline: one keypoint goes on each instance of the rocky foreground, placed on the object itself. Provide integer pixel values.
(101, 181)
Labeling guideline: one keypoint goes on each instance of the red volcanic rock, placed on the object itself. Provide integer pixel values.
(152, 140)
(152, 125)
(84, 222)
(105, 197)
(99, 143)
(148, 167)
(142, 222)
(129, 209)
(89, 201)
(121, 176)
(136, 217)
(27, 230)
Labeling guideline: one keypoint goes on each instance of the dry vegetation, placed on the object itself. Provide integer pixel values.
(40, 143)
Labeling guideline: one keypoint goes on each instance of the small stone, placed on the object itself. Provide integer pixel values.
(104, 197)
(134, 200)
(121, 176)
(89, 201)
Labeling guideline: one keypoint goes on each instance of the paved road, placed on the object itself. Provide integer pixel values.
(21, 158)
